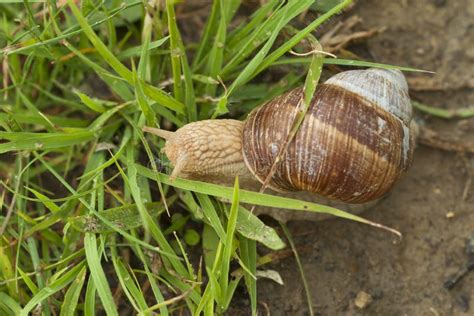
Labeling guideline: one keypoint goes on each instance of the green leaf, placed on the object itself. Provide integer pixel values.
(127, 217)
(94, 105)
(45, 200)
(250, 226)
(42, 141)
(138, 50)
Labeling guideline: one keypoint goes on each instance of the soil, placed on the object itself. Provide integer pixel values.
(432, 206)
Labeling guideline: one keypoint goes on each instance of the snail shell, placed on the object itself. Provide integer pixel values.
(353, 144)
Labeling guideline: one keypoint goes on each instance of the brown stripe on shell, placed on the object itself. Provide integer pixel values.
(346, 147)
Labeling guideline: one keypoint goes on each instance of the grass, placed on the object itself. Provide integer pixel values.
(89, 221)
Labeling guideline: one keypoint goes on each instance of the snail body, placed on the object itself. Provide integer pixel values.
(354, 143)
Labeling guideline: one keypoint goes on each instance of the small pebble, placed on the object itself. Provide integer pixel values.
(450, 215)
(420, 51)
(363, 300)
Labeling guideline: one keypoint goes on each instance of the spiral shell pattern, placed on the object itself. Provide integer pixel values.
(353, 144)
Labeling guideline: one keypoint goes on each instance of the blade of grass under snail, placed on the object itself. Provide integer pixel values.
(256, 198)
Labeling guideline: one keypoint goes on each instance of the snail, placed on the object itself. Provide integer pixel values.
(355, 142)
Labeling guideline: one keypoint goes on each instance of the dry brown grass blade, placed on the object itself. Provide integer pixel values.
(431, 138)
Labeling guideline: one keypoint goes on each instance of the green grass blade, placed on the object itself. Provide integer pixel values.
(71, 299)
(246, 73)
(132, 291)
(248, 254)
(211, 214)
(207, 34)
(89, 301)
(113, 61)
(6, 270)
(9, 303)
(443, 113)
(98, 275)
(42, 141)
(230, 232)
(345, 62)
(299, 37)
(179, 65)
(216, 55)
(245, 196)
(138, 50)
(236, 36)
(92, 104)
(175, 51)
(60, 283)
(34, 111)
(45, 200)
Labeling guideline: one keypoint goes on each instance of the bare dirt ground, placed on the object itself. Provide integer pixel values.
(342, 258)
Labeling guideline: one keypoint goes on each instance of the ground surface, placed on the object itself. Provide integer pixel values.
(342, 258)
